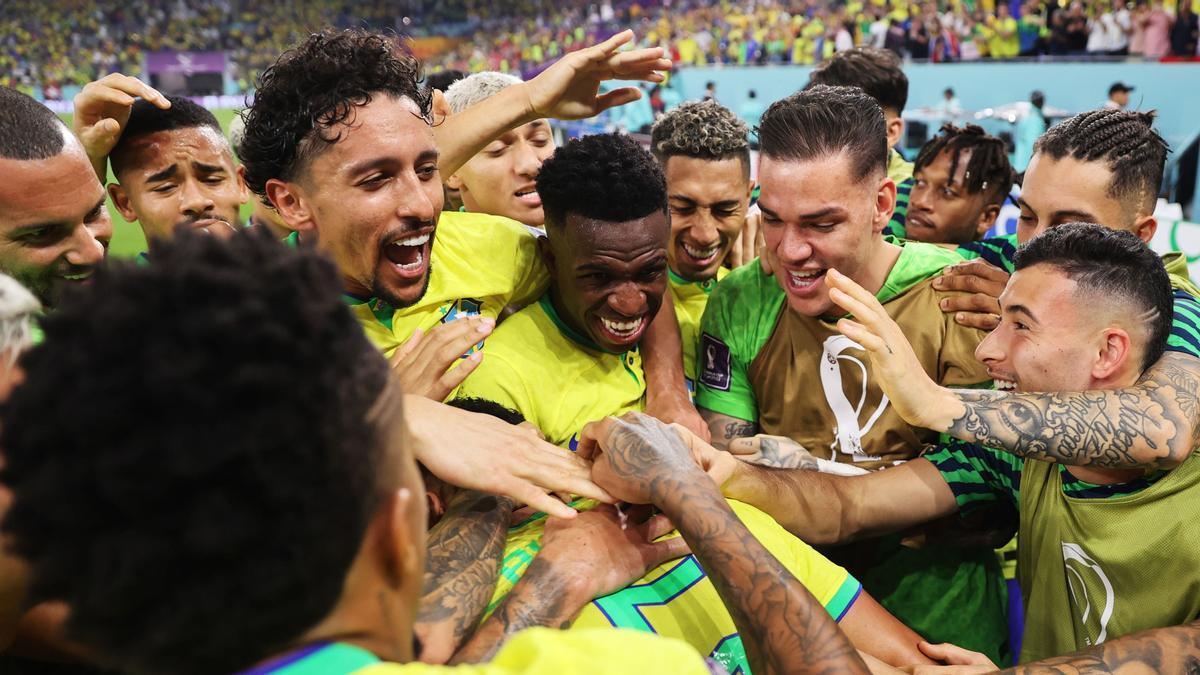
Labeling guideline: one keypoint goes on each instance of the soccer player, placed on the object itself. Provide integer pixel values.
(173, 164)
(186, 546)
(960, 180)
(54, 229)
(572, 358)
(772, 361)
(705, 154)
(1087, 309)
(500, 178)
(1103, 166)
(339, 141)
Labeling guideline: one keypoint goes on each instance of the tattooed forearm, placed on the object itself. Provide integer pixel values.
(1162, 650)
(725, 428)
(542, 597)
(1153, 423)
(784, 453)
(462, 561)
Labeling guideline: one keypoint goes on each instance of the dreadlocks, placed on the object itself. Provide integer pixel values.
(988, 169)
(1124, 140)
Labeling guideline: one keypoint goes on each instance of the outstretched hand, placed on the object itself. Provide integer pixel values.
(570, 88)
(102, 110)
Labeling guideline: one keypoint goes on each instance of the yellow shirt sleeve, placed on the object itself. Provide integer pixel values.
(499, 381)
(542, 651)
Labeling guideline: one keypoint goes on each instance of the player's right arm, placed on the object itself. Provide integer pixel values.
(1162, 650)
(726, 428)
(101, 111)
(824, 509)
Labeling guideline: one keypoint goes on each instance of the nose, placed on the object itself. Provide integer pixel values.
(991, 350)
(628, 300)
(527, 162)
(416, 203)
(793, 247)
(193, 199)
(86, 250)
(704, 227)
(919, 198)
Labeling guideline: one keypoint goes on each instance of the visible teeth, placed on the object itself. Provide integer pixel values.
(801, 276)
(416, 264)
(77, 277)
(522, 193)
(413, 241)
(621, 327)
(1005, 385)
(700, 253)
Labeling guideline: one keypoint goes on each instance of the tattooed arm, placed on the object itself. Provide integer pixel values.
(566, 575)
(462, 561)
(1161, 650)
(783, 628)
(725, 428)
(1153, 423)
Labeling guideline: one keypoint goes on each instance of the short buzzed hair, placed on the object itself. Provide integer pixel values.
(28, 129)
(703, 130)
(146, 118)
(1124, 140)
(876, 71)
(821, 121)
(478, 87)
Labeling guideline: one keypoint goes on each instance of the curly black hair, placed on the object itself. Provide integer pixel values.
(315, 87)
(821, 121)
(988, 169)
(876, 71)
(703, 130)
(199, 490)
(28, 129)
(1124, 140)
(147, 118)
(607, 177)
(1109, 264)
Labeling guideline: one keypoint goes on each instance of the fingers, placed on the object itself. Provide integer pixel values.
(555, 469)
(526, 493)
(604, 49)
(974, 277)
(407, 347)
(862, 303)
(976, 302)
(657, 526)
(953, 654)
(859, 333)
(448, 341)
(591, 436)
(450, 380)
(617, 97)
(745, 446)
(667, 549)
(984, 322)
(122, 90)
(979, 268)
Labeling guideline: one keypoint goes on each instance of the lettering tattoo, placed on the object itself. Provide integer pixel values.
(725, 428)
(783, 628)
(1152, 423)
(462, 562)
(1161, 650)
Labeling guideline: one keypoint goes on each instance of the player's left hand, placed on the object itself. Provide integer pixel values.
(570, 88)
(749, 242)
(606, 553)
(101, 111)
(778, 452)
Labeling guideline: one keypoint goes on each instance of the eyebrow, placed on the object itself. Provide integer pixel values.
(1058, 215)
(375, 162)
(692, 200)
(57, 223)
(1021, 309)
(208, 168)
(812, 215)
(164, 174)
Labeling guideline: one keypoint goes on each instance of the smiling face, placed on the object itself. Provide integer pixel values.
(373, 198)
(179, 177)
(817, 215)
(500, 179)
(608, 278)
(708, 201)
(54, 229)
(1058, 191)
(940, 209)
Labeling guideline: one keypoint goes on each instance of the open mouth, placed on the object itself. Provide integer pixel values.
(698, 255)
(624, 331)
(917, 220)
(528, 196)
(408, 256)
(804, 281)
(1002, 384)
(79, 276)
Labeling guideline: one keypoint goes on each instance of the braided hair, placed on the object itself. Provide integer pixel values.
(1124, 140)
(988, 169)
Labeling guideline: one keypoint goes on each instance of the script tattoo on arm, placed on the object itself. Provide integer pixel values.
(542, 597)
(782, 626)
(1161, 650)
(1153, 423)
(462, 561)
(725, 428)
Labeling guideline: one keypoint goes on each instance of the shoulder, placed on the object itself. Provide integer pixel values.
(457, 229)
(745, 303)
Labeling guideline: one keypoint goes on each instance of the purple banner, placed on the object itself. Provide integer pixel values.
(187, 63)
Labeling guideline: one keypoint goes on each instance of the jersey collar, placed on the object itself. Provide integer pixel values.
(570, 333)
(705, 286)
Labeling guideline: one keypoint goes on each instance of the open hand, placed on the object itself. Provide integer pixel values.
(424, 363)
(102, 110)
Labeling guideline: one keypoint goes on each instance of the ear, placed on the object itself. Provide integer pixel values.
(120, 200)
(1145, 227)
(290, 204)
(398, 543)
(440, 107)
(243, 191)
(987, 219)
(895, 130)
(885, 204)
(1115, 351)
(547, 254)
(454, 182)
(436, 507)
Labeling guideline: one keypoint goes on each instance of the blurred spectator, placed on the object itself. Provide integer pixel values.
(1118, 96)
(1157, 26)
(1184, 31)
(751, 109)
(949, 106)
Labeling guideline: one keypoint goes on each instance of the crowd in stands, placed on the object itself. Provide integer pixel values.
(520, 37)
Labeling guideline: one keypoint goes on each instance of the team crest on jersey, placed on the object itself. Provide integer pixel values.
(463, 308)
(715, 364)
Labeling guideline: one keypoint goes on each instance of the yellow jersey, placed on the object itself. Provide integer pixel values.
(556, 378)
(479, 264)
(536, 651)
(677, 599)
(690, 298)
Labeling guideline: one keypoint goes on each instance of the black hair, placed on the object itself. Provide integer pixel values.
(486, 407)
(147, 118)
(607, 177)
(1124, 140)
(312, 89)
(876, 71)
(703, 130)
(988, 169)
(209, 515)
(1110, 264)
(823, 120)
(28, 129)
(441, 80)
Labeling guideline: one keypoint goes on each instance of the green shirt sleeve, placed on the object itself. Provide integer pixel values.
(998, 251)
(737, 322)
(976, 474)
(1185, 326)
